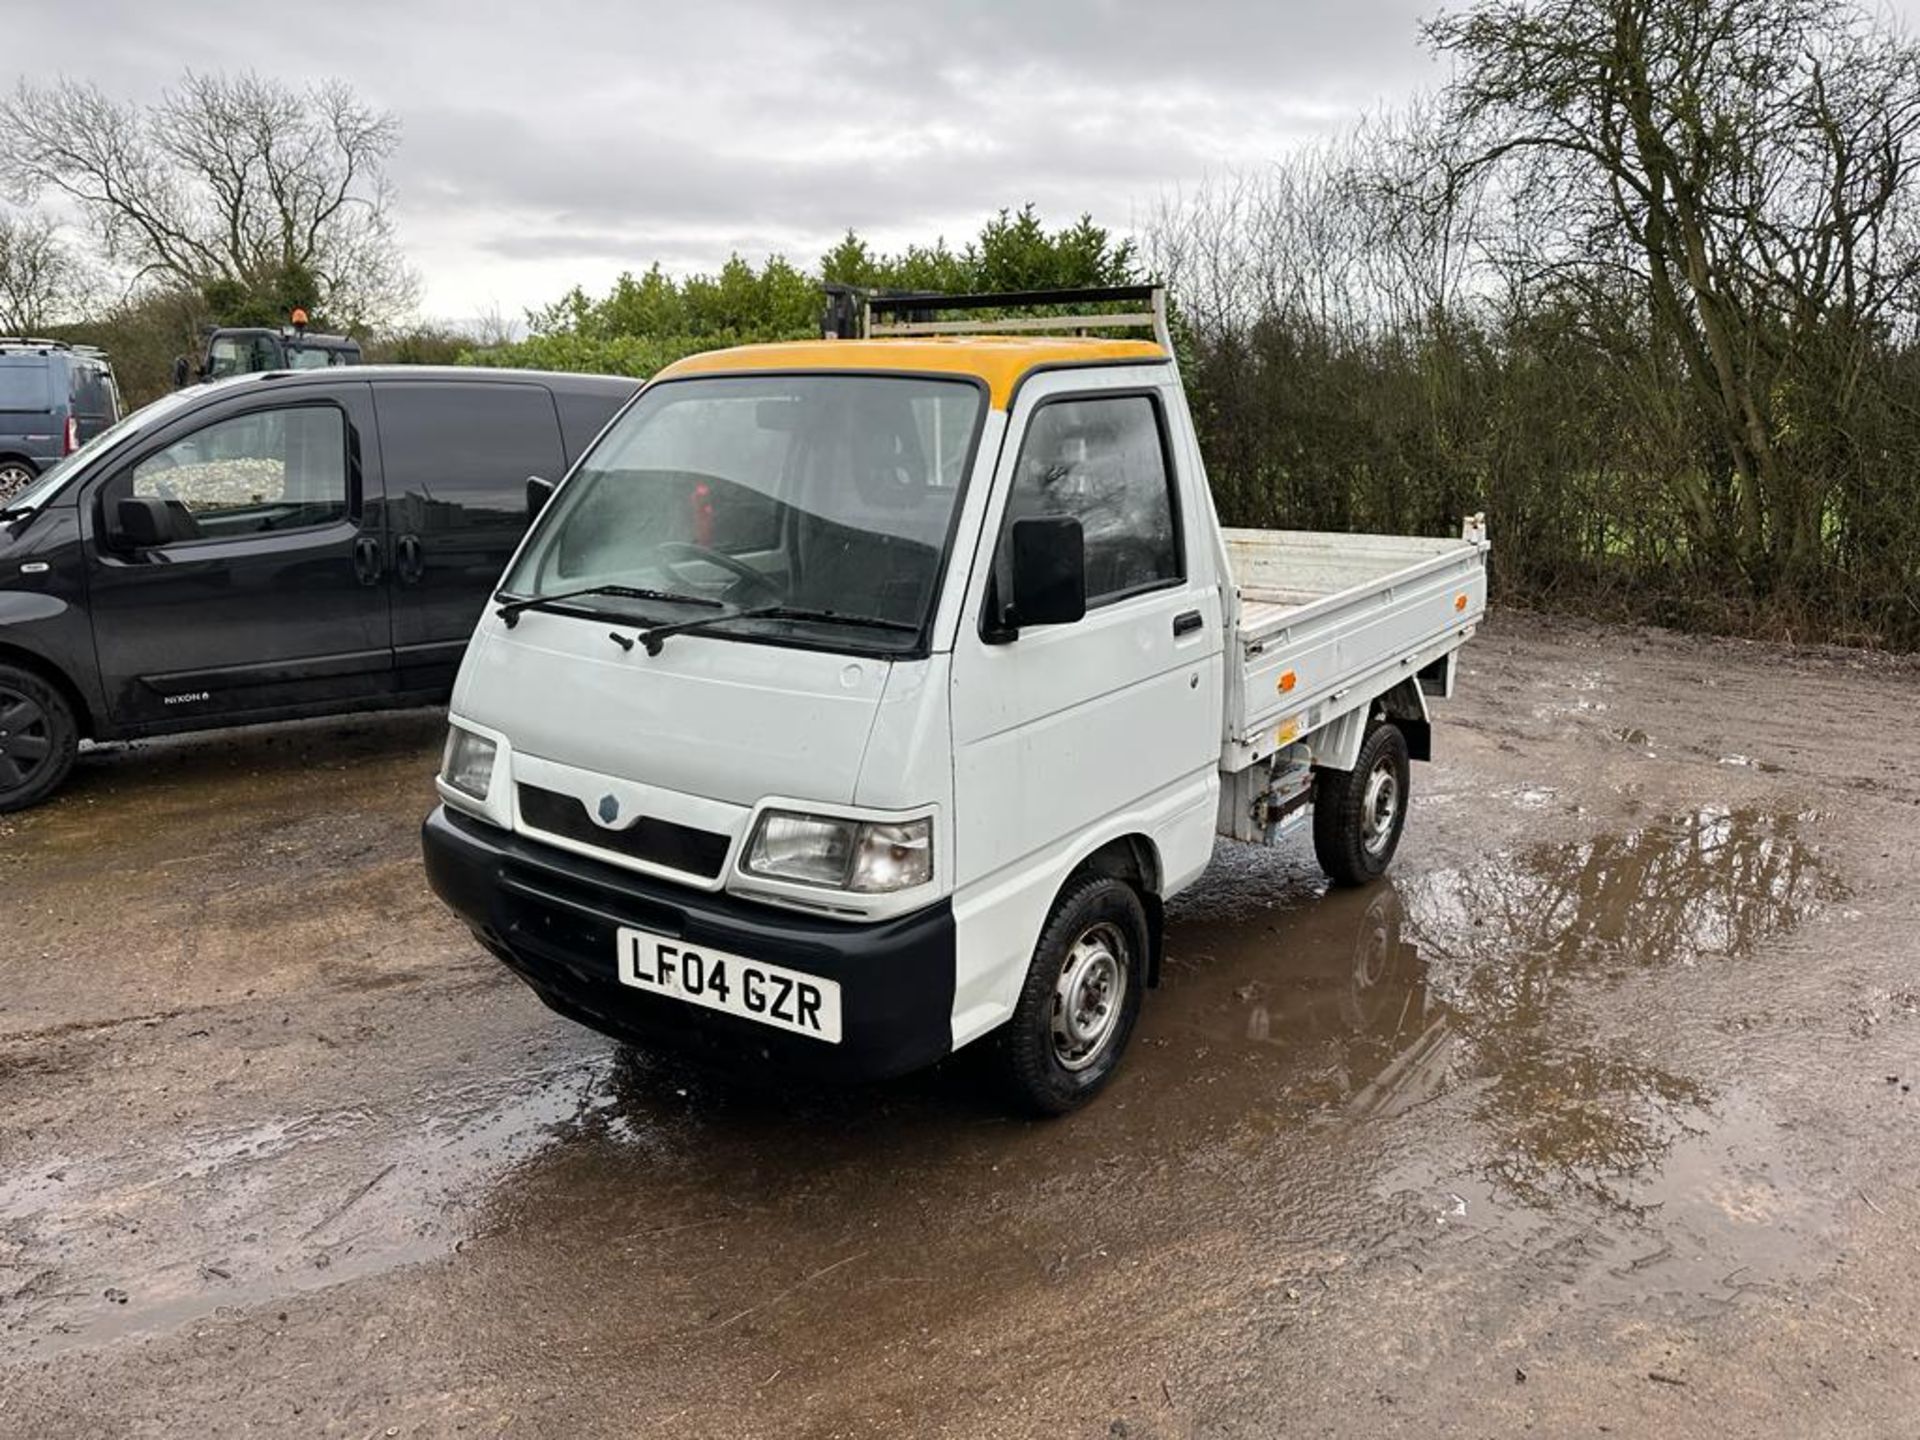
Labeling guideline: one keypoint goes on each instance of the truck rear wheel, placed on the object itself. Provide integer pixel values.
(1081, 999)
(38, 738)
(1358, 814)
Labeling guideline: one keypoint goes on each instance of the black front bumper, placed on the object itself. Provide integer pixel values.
(552, 917)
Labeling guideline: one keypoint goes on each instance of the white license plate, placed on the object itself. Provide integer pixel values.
(770, 994)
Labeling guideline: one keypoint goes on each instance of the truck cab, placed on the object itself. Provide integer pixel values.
(232, 350)
(853, 701)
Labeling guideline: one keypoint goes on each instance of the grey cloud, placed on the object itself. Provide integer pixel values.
(568, 140)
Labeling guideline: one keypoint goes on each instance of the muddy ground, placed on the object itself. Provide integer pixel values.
(1598, 1119)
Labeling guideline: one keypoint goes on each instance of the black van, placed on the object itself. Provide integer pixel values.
(54, 397)
(269, 547)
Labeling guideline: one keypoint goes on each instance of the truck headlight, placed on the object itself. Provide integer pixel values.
(866, 856)
(468, 766)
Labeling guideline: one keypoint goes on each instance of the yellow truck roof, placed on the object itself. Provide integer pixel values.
(1002, 361)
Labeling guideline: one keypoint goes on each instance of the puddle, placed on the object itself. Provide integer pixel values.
(1324, 1009)
(1621, 1176)
(1312, 1059)
(1682, 889)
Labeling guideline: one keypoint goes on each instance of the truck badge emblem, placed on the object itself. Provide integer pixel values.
(609, 809)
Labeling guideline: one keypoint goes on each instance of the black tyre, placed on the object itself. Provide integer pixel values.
(1358, 814)
(1082, 996)
(38, 738)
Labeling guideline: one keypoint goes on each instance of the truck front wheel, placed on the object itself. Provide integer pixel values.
(1358, 814)
(1082, 996)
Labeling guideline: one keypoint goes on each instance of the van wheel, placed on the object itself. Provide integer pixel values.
(38, 738)
(15, 476)
(1077, 1010)
(1358, 814)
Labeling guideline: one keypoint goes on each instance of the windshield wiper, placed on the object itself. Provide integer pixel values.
(655, 637)
(509, 610)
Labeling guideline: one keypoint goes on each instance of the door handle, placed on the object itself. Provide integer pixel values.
(367, 564)
(410, 560)
(1187, 621)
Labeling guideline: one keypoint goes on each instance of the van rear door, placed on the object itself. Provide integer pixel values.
(95, 402)
(236, 562)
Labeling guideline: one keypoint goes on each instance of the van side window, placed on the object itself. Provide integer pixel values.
(464, 451)
(1103, 461)
(23, 385)
(272, 470)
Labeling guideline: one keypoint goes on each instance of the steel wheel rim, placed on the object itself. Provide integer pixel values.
(1089, 995)
(26, 738)
(1380, 807)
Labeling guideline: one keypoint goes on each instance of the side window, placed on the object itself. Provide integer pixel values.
(467, 449)
(92, 392)
(24, 385)
(271, 470)
(1102, 462)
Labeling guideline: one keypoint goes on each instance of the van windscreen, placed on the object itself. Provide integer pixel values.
(24, 384)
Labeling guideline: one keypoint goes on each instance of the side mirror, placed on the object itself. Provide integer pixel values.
(1049, 574)
(538, 493)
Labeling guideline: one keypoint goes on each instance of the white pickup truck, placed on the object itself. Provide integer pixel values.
(854, 700)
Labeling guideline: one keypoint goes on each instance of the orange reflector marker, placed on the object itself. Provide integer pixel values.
(1287, 681)
(1460, 602)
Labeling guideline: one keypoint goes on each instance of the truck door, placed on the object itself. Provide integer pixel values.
(457, 455)
(253, 581)
(1058, 730)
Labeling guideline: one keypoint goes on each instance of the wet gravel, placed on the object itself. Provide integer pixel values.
(1596, 1118)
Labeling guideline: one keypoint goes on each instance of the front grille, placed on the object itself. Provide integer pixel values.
(658, 842)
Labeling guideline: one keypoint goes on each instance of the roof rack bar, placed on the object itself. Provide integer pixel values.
(1044, 324)
(1154, 319)
(35, 341)
(1013, 299)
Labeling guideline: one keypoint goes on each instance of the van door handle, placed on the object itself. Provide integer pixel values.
(1187, 621)
(409, 561)
(366, 559)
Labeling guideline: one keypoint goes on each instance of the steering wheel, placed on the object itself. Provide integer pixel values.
(675, 553)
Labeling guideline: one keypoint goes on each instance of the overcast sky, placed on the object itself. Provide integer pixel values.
(568, 140)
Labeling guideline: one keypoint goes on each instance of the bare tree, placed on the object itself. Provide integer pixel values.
(41, 281)
(235, 179)
(1748, 168)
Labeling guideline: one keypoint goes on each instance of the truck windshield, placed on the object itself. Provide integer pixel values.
(829, 499)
